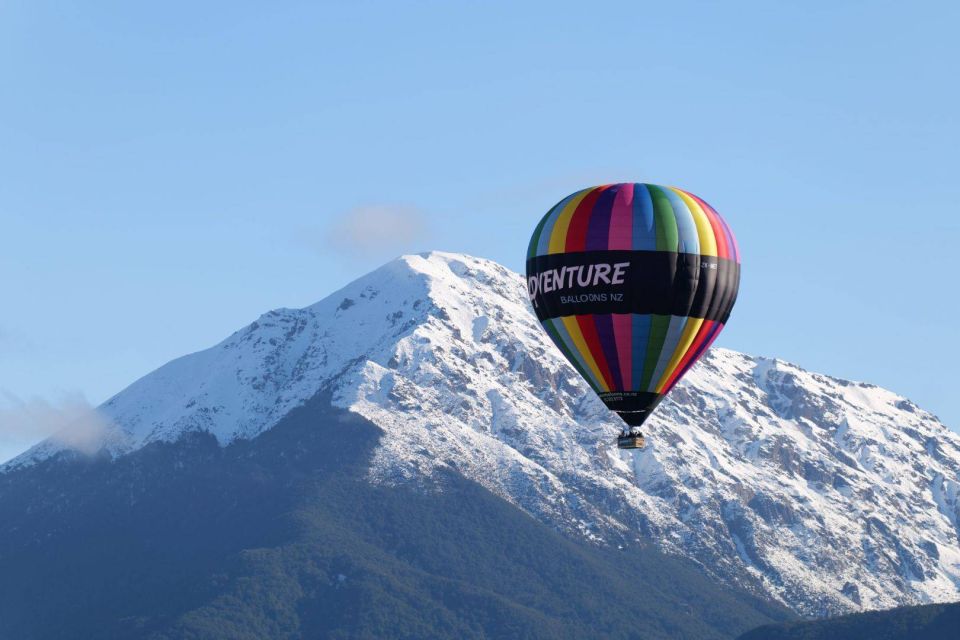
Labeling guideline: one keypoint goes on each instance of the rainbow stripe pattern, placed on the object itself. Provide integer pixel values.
(633, 282)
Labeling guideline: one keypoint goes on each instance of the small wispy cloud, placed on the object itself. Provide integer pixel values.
(378, 231)
(70, 421)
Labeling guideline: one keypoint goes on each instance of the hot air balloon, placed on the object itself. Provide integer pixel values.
(632, 282)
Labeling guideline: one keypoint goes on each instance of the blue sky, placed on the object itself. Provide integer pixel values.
(170, 171)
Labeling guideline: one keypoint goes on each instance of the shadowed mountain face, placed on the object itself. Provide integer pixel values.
(924, 622)
(825, 495)
(283, 536)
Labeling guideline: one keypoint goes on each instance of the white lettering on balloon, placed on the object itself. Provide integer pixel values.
(588, 275)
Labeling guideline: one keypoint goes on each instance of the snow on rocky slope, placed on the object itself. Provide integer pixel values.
(828, 495)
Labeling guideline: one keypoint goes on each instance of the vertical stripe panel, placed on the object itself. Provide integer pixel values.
(689, 333)
(580, 345)
(580, 221)
(723, 248)
(558, 234)
(542, 236)
(623, 335)
(644, 225)
(714, 332)
(703, 333)
(671, 340)
(658, 333)
(621, 220)
(734, 249)
(665, 220)
(562, 338)
(688, 233)
(641, 338)
(588, 329)
(598, 228)
(707, 245)
(535, 238)
(608, 342)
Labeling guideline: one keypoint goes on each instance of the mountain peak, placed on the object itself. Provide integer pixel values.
(246, 383)
(827, 495)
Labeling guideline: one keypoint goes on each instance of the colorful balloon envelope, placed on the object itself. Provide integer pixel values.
(633, 282)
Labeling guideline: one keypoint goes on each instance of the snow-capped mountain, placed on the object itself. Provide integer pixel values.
(827, 495)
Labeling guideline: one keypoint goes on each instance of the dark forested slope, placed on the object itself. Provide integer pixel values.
(926, 622)
(283, 536)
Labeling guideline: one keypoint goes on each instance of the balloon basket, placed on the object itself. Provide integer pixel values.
(632, 441)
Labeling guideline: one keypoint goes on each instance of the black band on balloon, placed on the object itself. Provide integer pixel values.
(643, 282)
(633, 406)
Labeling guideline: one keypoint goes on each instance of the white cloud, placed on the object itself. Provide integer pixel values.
(378, 230)
(71, 421)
